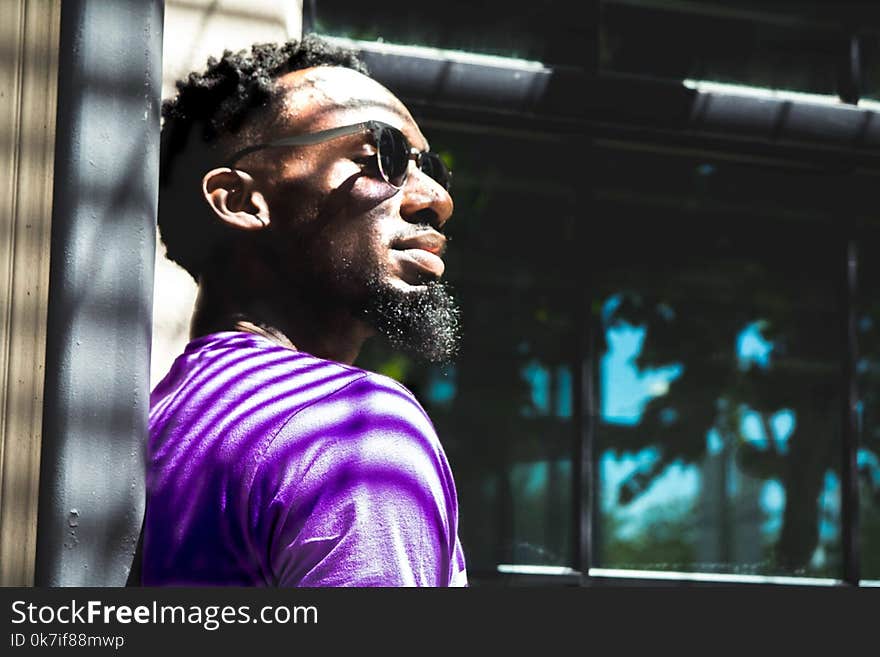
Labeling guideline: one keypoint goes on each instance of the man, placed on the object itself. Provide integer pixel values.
(302, 197)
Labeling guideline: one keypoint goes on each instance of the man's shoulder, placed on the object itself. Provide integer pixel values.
(239, 369)
(377, 401)
(385, 393)
(370, 419)
(369, 443)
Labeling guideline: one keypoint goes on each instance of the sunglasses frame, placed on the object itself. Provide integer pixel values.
(374, 129)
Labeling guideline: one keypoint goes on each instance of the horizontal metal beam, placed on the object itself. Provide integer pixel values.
(448, 86)
(782, 15)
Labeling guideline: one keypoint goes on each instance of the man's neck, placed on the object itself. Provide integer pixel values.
(268, 332)
(291, 323)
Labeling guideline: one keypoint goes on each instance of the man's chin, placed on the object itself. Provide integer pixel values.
(420, 319)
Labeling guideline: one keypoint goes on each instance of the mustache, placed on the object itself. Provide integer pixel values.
(416, 230)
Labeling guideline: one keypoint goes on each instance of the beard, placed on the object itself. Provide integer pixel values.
(423, 322)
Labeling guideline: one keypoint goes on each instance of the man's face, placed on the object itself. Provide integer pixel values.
(343, 237)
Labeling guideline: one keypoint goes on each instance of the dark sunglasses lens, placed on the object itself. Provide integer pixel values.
(393, 155)
(432, 165)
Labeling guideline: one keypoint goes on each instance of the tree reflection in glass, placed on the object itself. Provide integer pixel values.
(868, 376)
(720, 408)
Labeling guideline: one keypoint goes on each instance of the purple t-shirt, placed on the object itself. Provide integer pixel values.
(271, 467)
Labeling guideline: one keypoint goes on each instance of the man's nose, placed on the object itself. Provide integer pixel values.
(425, 201)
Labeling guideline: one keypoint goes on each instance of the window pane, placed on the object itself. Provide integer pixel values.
(868, 369)
(720, 368)
(504, 410)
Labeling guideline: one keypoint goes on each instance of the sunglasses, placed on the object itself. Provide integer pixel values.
(393, 151)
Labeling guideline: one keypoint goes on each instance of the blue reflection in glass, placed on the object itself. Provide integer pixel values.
(441, 387)
(550, 391)
(714, 442)
(772, 503)
(752, 348)
(625, 389)
(564, 392)
(538, 378)
(752, 429)
(676, 490)
(670, 496)
(783, 423)
(829, 501)
(530, 479)
(868, 462)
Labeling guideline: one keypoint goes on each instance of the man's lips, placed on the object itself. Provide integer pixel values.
(420, 253)
(430, 241)
(420, 260)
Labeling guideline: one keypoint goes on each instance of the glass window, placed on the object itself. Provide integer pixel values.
(868, 372)
(716, 287)
(720, 369)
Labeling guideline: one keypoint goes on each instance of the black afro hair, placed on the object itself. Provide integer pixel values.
(209, 107)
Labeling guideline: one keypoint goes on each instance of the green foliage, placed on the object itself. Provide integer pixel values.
(666, 542)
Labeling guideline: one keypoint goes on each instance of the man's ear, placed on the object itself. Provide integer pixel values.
(235, 200)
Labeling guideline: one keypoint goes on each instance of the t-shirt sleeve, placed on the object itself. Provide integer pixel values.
(361, 494)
